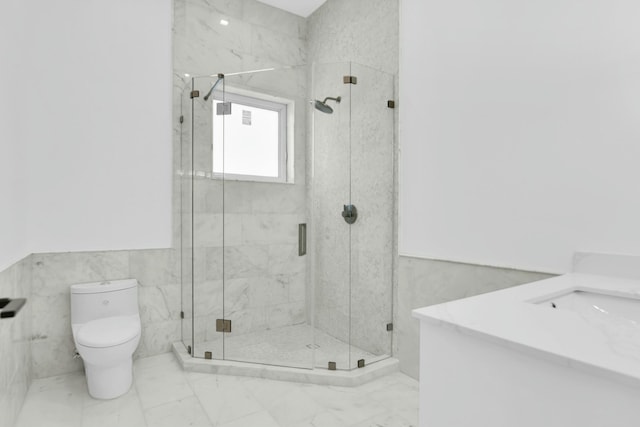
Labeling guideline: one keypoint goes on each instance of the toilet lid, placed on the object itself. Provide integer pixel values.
(109, 332)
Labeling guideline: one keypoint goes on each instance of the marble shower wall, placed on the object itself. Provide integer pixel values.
(424, 282)
(52, 274)
(264, 277)
(15, 344)
(354, 265)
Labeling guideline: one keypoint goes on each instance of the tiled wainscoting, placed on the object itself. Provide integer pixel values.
(15, 344)
(38, 342)
(424, 282)
(52, 274)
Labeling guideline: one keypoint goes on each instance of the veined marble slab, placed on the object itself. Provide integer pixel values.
(514, 318)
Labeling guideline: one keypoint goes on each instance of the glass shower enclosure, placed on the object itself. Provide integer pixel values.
(286, 215)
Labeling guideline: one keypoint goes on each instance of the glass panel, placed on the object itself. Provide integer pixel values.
(372, 235)
(265, 290)
(208, 228)
(183, 198)
(330, 233)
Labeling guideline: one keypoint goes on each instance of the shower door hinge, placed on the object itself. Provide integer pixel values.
(361, 363)
(350, 80)
(189, 349)
(223, 325)
(181, 119)
(182, 314)
(391, 104)
(195, 94)
(223, 109)
(389, 327)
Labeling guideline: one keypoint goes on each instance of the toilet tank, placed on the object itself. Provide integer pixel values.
(91, 301)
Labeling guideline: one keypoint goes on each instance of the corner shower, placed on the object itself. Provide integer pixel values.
(278, 267)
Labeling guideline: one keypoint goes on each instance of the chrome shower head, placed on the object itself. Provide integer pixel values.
(322, 105)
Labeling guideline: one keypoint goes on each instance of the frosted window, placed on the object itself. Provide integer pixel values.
(250, 143)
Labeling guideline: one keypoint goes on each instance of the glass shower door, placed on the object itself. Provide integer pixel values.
(183, 202)
(260, 142)
(372, 235)
(207, 226)
(331, 193)
(353, 214)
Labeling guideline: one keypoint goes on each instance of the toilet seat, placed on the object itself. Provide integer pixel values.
(109, 331)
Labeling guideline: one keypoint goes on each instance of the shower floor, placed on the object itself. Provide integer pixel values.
(291, 346)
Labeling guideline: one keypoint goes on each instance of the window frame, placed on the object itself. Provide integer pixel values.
(266, 102)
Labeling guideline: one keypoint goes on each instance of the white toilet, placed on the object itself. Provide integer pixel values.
(106, 330)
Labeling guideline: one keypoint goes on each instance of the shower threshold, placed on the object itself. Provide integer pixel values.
(263, 355)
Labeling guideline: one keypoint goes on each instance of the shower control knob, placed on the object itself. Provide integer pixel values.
(350, 214)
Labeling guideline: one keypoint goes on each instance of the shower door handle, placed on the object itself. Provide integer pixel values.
(302, 239)
(350, 214)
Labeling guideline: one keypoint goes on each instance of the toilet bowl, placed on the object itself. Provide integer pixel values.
(106, 330)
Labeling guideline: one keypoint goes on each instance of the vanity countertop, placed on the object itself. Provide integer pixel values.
(522, 318)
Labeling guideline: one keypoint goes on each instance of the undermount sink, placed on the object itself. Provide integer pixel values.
(596, 305)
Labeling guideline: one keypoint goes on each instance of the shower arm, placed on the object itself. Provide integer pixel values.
(338, 99)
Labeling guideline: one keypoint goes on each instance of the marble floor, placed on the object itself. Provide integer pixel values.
(164, 395)
(291, 346)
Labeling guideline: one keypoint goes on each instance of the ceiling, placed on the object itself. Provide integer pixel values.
(303, 8)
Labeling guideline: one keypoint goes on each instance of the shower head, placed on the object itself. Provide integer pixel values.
(322, 105)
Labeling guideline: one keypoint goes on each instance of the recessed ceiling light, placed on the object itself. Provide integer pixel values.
(224, 22)
(186, 74)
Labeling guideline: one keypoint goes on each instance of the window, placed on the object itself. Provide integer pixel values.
(250, 141)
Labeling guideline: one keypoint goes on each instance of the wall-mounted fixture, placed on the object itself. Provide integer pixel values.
(11, 307)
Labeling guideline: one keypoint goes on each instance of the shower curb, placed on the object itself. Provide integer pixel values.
(351, 378)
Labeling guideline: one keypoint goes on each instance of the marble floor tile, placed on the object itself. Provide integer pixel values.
(125, 411)
(164, 395)
(185, 412)
(55, 402)
(294, 408)
(225, 398)
(159, 380)
(387, 420)
(262, 419)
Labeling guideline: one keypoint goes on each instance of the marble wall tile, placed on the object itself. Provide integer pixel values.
(53, 355)
(423, 282)
(159, 298)
(157, 338)
(277, 47)
(54, 272)
(15, 342)
(154, 267)
(269, 228)
(339, 31)
(263, 15)
(246, 261)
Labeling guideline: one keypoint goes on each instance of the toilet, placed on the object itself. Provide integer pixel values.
(106, 330)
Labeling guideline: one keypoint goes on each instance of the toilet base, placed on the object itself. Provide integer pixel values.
(109, 382)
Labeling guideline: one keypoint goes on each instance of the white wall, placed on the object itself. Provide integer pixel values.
(96, 101)
(12, 149)
(519, 130)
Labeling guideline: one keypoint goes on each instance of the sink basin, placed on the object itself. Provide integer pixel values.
(597, 306)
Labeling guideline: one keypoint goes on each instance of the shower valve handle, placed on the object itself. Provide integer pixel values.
(350, 214)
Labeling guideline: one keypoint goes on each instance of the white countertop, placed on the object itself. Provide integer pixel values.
(509, 318)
